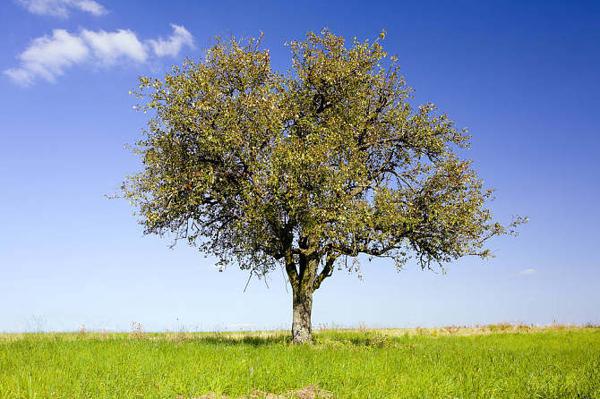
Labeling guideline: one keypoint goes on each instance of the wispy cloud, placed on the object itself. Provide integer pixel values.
(48, 57)
(173, 44)
(109, 47)
(527, 272)
(61, 8)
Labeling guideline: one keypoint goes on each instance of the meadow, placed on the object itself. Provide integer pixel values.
(501, 361)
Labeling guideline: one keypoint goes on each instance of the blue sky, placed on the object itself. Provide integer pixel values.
(522, 76)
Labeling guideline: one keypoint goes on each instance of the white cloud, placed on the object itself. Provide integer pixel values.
(60, 8)
(109, 47)
(527, 272)
(48, 57)
(173, 44)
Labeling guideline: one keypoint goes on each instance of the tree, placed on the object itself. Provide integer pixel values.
(306, 169)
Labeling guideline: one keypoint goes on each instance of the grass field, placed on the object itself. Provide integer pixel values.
(491, 362)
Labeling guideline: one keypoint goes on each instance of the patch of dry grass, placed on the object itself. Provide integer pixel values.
(308, 392)
(507, 328)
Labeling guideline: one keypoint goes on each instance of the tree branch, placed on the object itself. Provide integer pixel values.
(327, 270)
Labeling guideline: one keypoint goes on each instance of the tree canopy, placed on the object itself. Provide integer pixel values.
(307, 168)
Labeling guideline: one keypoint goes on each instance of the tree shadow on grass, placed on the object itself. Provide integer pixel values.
(248, 340)
(365, 339)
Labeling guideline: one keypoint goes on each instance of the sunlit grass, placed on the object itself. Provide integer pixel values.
(485, 362)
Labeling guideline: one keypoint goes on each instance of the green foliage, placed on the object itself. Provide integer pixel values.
(371, 364)
(307, 168)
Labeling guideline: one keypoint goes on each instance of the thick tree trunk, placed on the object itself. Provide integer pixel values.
(302, 310)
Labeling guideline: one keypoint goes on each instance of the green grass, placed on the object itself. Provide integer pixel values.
(495, 362)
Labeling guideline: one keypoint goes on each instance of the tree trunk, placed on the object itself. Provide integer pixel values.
(302, 310)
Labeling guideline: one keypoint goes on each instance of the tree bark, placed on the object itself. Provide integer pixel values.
(302, 311)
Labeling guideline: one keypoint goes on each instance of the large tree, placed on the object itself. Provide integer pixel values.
(305, 169)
